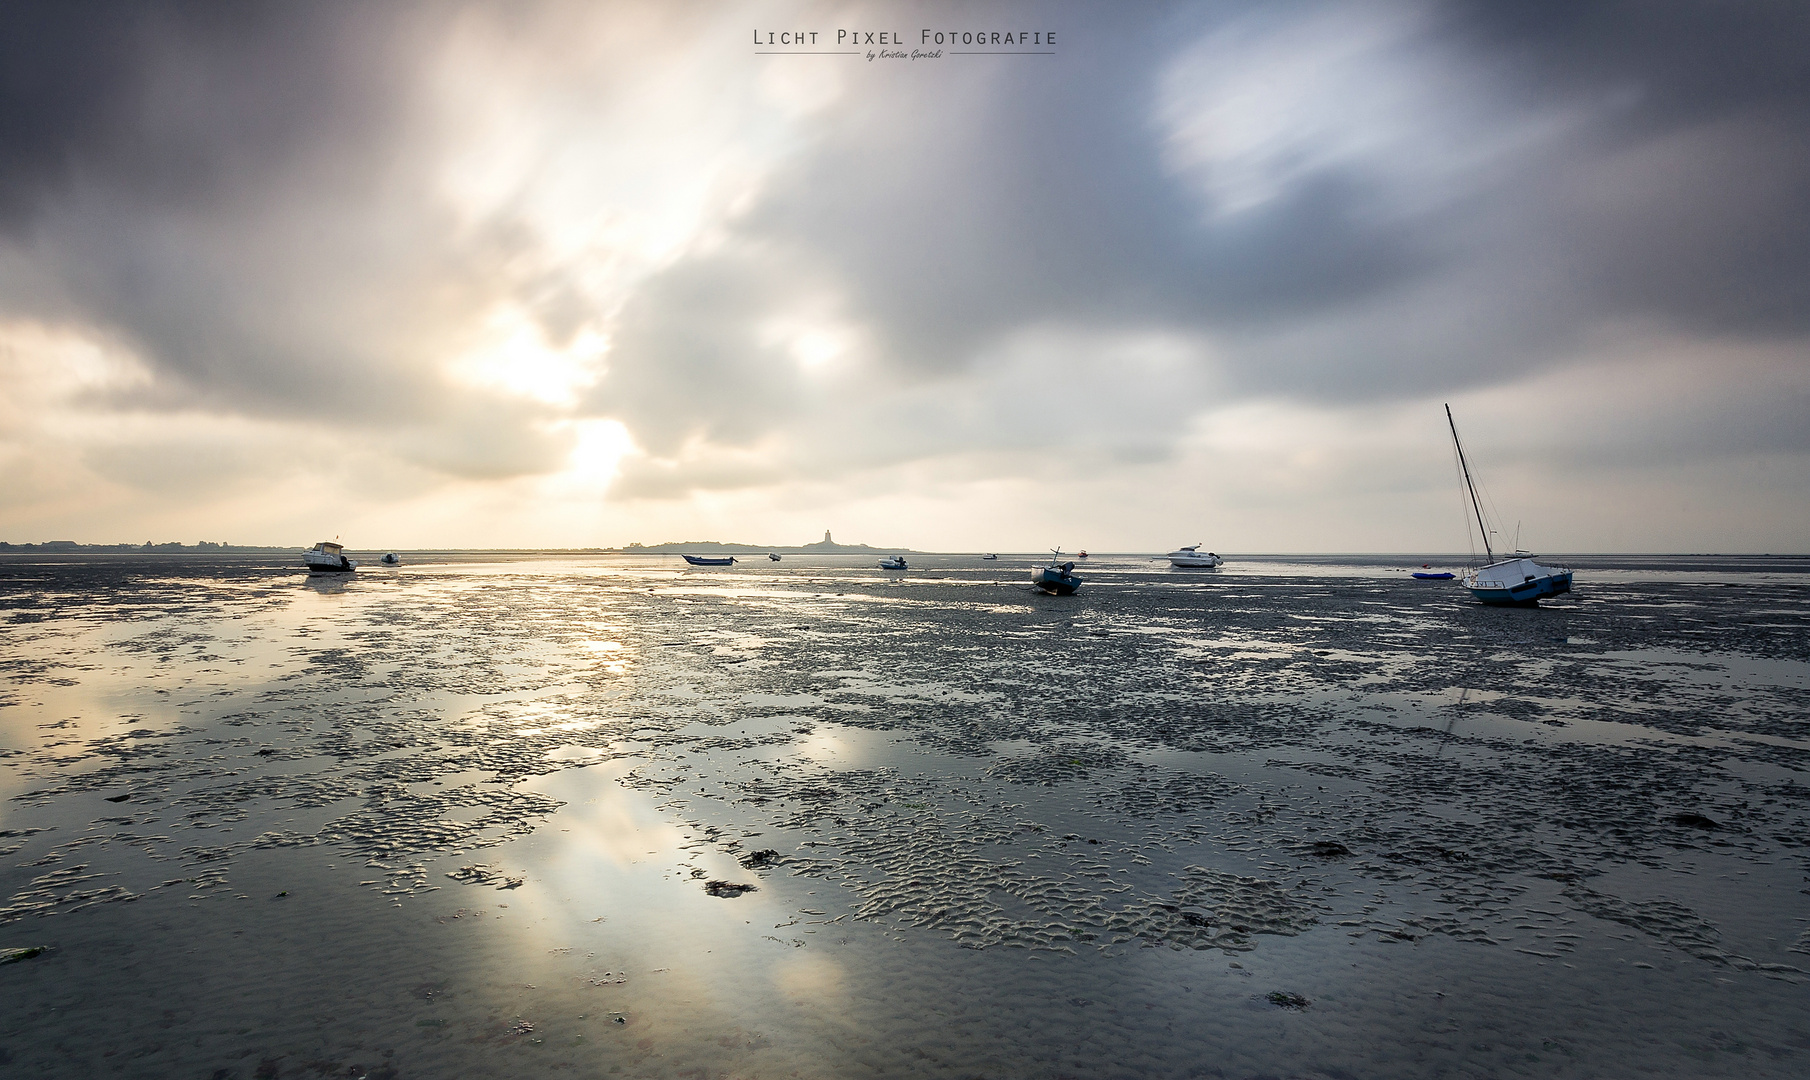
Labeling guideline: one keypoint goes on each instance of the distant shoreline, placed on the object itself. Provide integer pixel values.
(64, 547)
(205, 547)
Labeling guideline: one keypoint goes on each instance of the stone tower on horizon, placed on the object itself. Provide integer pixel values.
(826, 537)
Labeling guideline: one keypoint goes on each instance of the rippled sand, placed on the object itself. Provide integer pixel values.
(511, 817)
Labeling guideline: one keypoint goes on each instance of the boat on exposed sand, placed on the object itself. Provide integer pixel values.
(1518, 582)
(1191, 557)
(1058, 578)
(327, 557)
(893, 562)
(699, 560)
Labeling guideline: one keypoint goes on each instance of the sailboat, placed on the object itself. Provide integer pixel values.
(1519, 581)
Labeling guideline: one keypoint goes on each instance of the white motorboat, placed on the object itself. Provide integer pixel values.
(773, 555)
(327, 557)
(1193, 558)
(893, 562)
(392, 559)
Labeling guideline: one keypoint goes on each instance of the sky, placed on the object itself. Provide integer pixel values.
(554, 274)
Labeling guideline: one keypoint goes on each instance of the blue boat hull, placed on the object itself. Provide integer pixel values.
(1526, 594)
(1055, 581)
(696, 561)
(1434, 577)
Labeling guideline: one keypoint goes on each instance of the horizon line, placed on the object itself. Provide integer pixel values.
(852, 550)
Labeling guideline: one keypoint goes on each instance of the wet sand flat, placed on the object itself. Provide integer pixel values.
(603, 816)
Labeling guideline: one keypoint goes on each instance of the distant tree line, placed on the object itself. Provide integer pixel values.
(126, 549)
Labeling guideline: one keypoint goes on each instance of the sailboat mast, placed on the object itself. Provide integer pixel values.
(1463, 465)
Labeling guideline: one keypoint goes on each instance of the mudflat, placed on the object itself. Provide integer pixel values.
(512, 816)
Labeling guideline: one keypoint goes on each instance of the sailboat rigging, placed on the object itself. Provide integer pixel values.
(1518, 581)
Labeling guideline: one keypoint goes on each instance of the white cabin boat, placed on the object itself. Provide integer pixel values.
(1193, 558)
(327, 557)
(1519, 581)
(893, 562)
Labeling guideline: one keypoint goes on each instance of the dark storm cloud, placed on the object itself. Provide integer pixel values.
(1620, 163)
(184, 177)
(1689, 61)
(215, 185)
(952, 210)
(182, 104)
(241, 192)
(1687, 193)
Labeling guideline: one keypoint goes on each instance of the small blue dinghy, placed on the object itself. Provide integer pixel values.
(1433, 577)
